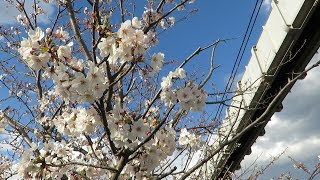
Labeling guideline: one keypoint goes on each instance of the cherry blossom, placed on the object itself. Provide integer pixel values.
(92, 116)
(3, 123)
(61, 34)
(187, 138)
(64, 52)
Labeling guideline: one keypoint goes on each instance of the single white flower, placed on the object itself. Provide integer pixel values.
(64, 52)
(27, 48)
(107, 46)
(171, 21)
(136, 23)
(80, 84)
(124, 53)
(36, 35)
(168, 97)
(86, 11)
(44, 58)
(34, 62)
(157, 62)
(184, 94)
(125, 31)
(23, 20)
(61, 34)
(166, 82)
(183, 138)
(180, 72)
(139, 130)
(19, 94)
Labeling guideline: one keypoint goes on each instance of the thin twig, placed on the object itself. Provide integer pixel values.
(145, 30)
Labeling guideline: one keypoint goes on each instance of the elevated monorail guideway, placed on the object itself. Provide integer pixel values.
(289, 40)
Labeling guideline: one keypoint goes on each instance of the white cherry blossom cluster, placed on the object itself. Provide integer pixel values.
(156, 150)
(54, 160)
(35, 52)
(167, 80)
(28, 167)
(74, 79)
(150, 16)
(48, 98)
(190, 97)
(5, 166)
(77, 121)
(156, 64)
(3, 122)
(31, 167)
(32, 52)
(125, 131)
(165, 141)
(188, 139)
(60, 34)
(85, 85)
(22, 19)
(127, 44)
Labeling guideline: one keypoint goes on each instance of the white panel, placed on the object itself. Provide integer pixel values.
(265, 50)
(251, 74)
(245, 77)
(245, 82)
(248, 96)
(233, 119)
(251, 79)
(276, 28)
(255, 68)
(289, 9)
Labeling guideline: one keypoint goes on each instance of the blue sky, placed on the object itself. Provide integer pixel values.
(229, 19)
(214, 20)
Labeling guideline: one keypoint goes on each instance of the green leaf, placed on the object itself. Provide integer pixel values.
(43, 49)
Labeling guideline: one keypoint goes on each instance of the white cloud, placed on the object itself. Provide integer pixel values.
(9, 12)
(295, 128)
(4, 147)
(266, 4)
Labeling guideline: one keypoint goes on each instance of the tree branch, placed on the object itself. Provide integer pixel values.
(76, 30)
